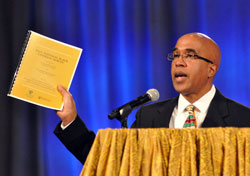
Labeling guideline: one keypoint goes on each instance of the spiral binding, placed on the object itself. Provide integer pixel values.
(25, 44)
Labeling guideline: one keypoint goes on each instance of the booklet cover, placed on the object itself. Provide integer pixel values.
(44, 64)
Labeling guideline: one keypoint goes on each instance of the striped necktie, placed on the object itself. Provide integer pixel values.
(191, 121)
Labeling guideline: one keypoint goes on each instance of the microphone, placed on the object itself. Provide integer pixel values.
(151, 95)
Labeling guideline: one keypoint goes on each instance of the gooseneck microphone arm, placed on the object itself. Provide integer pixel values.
(133, 104)
(123, 112)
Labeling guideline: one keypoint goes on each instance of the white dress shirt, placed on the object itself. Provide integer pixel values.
(179, 114)
(64, 127)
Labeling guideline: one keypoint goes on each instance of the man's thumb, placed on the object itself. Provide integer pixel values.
(61, 90)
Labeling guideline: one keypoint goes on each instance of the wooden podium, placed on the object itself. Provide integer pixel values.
(172, 152)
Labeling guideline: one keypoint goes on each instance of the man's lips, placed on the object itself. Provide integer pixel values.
(180, 76)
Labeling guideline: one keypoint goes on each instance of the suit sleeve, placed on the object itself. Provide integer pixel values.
(77, 138)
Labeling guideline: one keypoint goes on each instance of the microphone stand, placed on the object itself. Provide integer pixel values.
(124, 116)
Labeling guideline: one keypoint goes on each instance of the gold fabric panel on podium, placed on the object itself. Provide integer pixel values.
(173, 152)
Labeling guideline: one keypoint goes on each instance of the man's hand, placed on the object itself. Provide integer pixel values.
(69, 112)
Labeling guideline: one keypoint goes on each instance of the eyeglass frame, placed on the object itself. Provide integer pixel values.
(170, 56)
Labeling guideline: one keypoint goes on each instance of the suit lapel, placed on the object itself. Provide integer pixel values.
(165, 113)
(217, 112)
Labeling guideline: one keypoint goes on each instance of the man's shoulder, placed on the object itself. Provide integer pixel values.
(232, 112)
(232, 104)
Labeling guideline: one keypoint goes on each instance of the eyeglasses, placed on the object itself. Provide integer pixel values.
(186, 57)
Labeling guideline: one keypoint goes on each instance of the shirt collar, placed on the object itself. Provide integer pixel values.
(202, 104)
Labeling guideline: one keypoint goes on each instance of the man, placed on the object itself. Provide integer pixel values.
(195, 62)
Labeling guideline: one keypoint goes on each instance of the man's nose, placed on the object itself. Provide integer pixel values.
(180, 61)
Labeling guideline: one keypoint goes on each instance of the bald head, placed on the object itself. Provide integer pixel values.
(207, 47)
(193, 78)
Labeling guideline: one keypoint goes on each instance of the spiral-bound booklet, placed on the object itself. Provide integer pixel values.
(44, 64)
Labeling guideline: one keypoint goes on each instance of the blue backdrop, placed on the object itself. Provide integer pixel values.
(124, 47)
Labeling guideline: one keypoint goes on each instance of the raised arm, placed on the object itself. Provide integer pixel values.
(76, 137)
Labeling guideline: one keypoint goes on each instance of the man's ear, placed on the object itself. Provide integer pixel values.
(212, 70)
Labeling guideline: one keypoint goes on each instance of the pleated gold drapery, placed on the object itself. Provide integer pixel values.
(173, 152)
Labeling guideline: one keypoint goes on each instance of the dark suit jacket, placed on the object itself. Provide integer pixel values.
(222, 112)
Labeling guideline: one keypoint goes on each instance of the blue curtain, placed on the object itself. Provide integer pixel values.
(124, 47)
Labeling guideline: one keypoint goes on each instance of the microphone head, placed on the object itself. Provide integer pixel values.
(154, 94)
